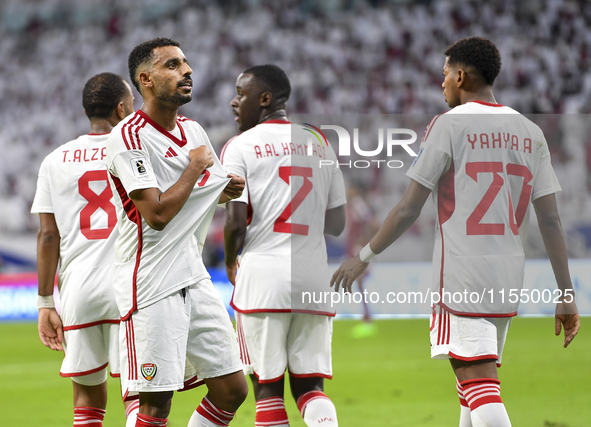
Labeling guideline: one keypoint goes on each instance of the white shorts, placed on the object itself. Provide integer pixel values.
(166, 345)
(467, 338)
(91, 349)
(273, 342)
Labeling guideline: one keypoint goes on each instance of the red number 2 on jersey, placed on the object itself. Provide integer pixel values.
(281, 224)
(473, 225)
(96, 202)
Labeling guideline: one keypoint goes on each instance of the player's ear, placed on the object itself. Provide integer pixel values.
(461, 78)
(265, 99)
(120, 110)
(145, 79)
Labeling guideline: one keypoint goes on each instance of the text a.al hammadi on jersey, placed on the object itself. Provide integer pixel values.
(73, 186)
(151, 264)
(485, 164)
(288, 192)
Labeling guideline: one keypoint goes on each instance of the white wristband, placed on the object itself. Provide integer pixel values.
(45, 301)
(366, 254)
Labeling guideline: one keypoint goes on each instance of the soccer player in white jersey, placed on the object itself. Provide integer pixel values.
(485, 164)
(168, 184)
(278, 223)
(78, 229)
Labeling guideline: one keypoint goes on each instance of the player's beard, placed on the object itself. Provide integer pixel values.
(176, 98)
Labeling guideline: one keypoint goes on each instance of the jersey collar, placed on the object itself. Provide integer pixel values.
(285, 122)
(180, 142)
(490, 104)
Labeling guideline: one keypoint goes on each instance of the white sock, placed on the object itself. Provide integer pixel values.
(209, 415)
(199, 421)
(465, 417)
(131, 413)
(490, 415)
(317, 409)
(465, 420)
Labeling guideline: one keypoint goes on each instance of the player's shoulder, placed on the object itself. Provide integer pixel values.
(126, 134)
(230, 147)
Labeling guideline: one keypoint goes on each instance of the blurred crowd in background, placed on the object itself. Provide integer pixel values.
(372, 57)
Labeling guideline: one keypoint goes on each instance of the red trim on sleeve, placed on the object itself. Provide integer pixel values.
(79, 374)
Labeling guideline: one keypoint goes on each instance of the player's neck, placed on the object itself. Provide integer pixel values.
(100, 125)
(165, 117)
(279, 114)
(485, 95)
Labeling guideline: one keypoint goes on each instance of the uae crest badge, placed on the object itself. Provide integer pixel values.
(148, 371)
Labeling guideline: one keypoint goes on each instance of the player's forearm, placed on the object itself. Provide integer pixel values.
(160, 210)
(396, 223)
(334, 221)
(549, 222)
(554, 242)
(234, 231)
(233, 241)
(48, 246)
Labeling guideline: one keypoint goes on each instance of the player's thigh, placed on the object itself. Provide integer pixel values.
(309, 345)
(467, 338)
(85, 351)
(154, 345)
(212, 348)
(265, 336)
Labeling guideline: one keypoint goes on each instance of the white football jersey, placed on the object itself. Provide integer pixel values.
(150, 264)
(288, 193)
(73, 186)
(484, 163)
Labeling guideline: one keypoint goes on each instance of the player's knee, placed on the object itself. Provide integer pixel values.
(238, 394)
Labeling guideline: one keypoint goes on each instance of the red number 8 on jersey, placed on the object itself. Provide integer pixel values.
(96, 202)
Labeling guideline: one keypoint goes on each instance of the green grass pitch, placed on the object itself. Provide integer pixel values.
(384, 380)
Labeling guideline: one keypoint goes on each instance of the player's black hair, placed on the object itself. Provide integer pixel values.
(275, 79)
(479, 53)
(144, 52)
(102, 93)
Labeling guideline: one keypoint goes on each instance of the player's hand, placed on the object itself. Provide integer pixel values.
(201, 157)
(234, 188)
(51, 330)
(347, 273)
(567, 315)
(231, 272)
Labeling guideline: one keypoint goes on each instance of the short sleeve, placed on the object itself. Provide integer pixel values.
(435, 154)
(42, 203)
(545, 181)
(134, 170)
(233, 162)
(337, 194)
